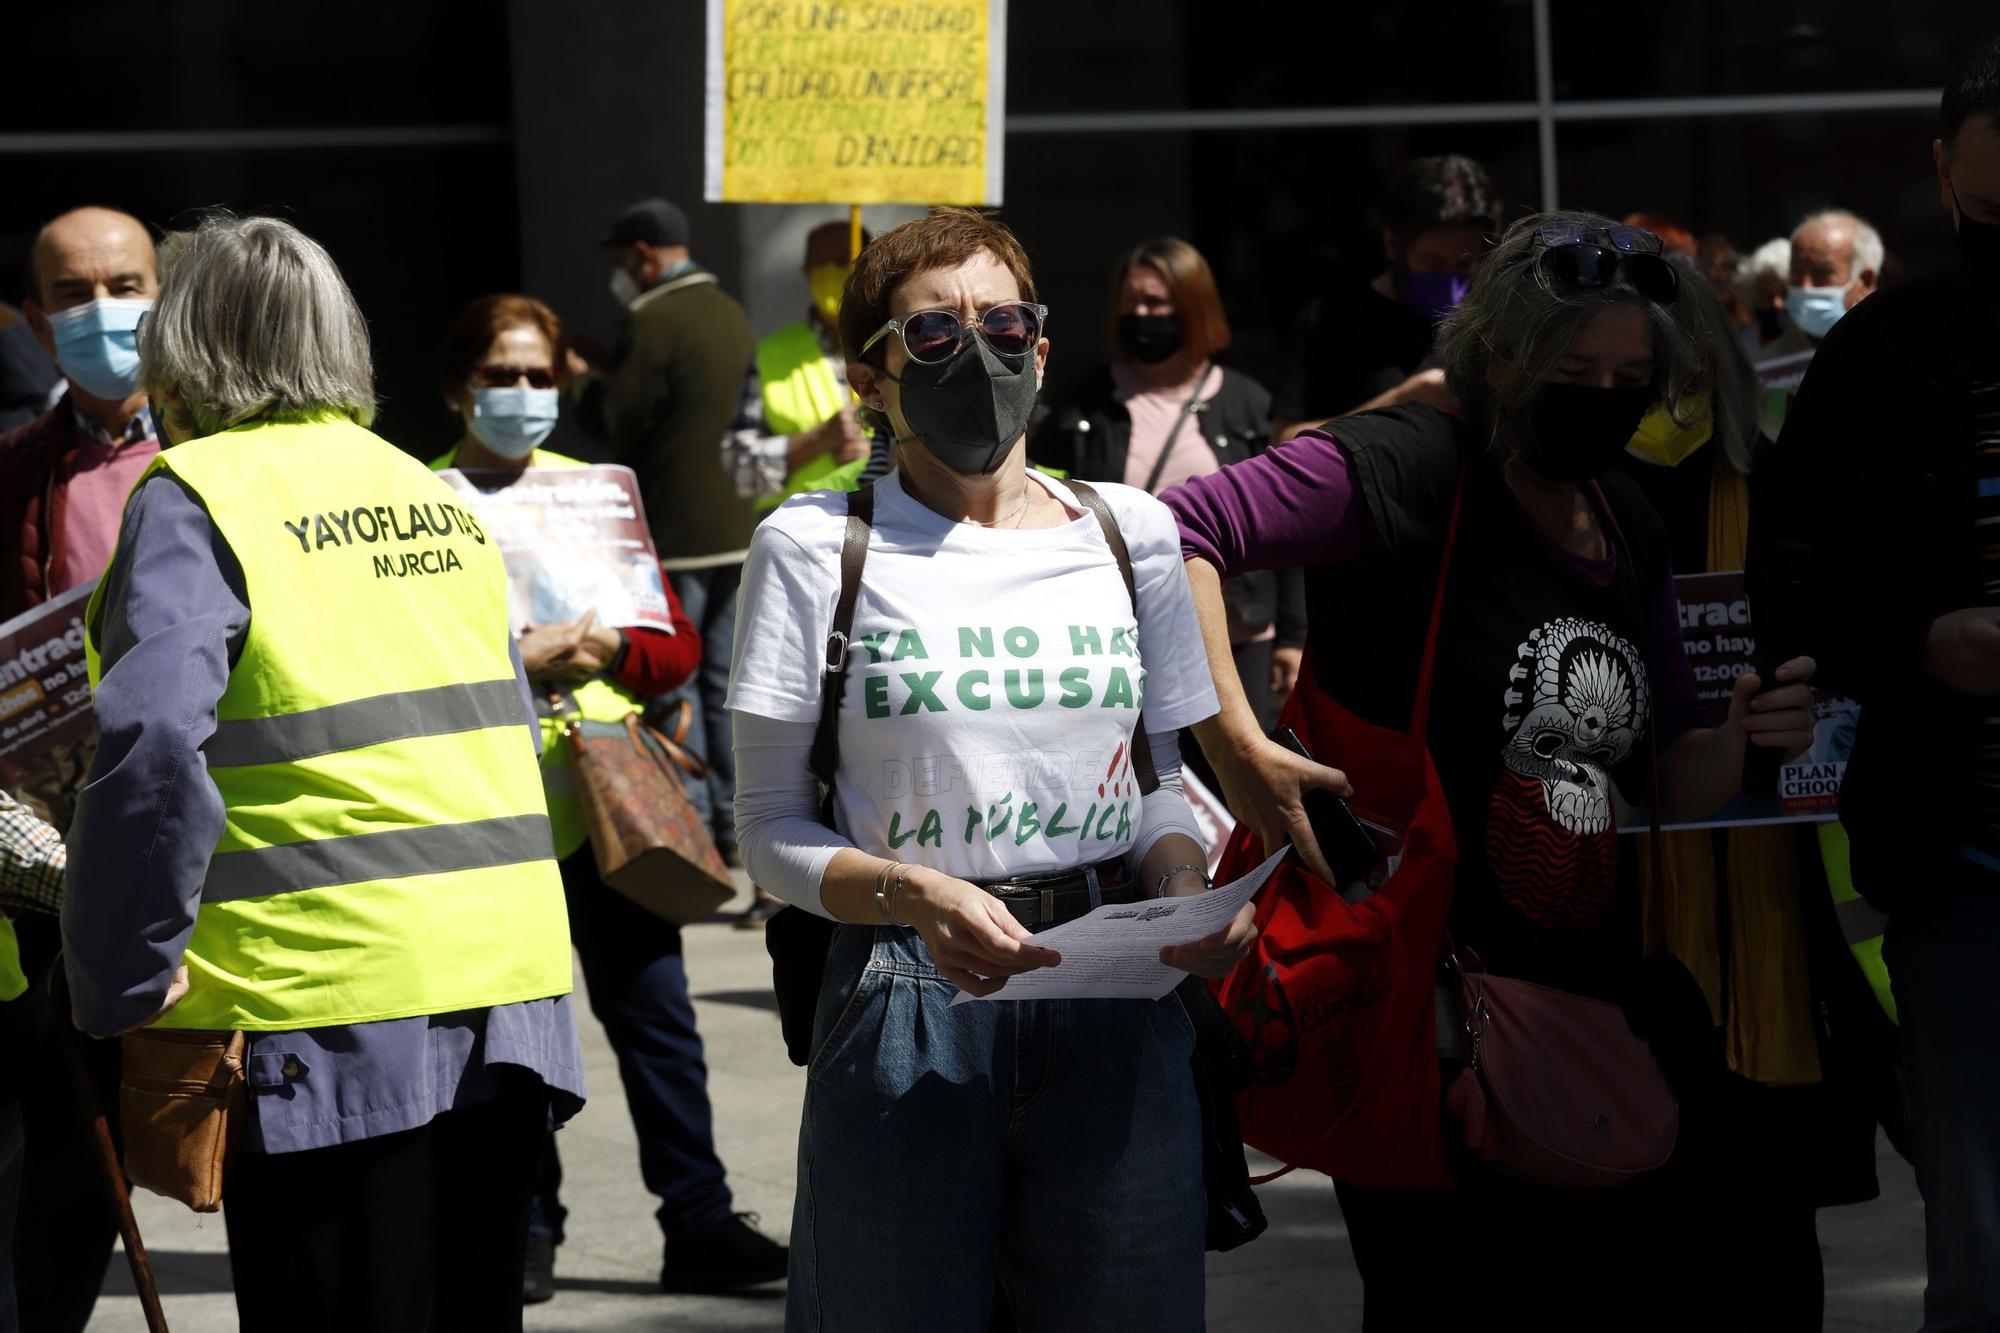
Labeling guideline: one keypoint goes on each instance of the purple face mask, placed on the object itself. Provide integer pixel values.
(1433, 295)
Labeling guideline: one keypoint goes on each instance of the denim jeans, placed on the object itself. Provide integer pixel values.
(709, 598)
(1054, 1144)
(1941, 959)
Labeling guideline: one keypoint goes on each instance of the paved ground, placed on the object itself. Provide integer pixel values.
(1298, 1276)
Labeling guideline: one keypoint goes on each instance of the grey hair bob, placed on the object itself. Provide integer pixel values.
(255, 323)
(1519, 319)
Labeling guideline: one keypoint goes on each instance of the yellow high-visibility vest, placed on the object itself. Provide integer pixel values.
(800, 392)
(597, 700)
(386, 849)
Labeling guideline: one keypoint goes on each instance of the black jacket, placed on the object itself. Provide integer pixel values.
(1086, 433)
(1862, 535)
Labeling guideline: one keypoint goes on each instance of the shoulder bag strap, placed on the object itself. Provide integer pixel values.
(1188, 409)
(1142, 747)
(853, 558)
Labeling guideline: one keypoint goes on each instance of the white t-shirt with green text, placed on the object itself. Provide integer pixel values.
(993, 680)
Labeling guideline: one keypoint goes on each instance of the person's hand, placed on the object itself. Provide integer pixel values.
(1265, 785)
(1780, 718)
(973, 939)
(1216, 956)
(594, 651)
(1285, 664)
(839, 436)
(550, 652)
(1963, 651)
(176, 989)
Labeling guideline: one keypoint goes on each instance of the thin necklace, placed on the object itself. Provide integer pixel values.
(1020, 510)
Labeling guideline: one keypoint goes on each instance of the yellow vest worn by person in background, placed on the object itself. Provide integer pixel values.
(597, 700)
(386, 848)
(800, 392)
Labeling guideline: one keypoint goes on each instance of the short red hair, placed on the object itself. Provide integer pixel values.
(466, 341)
(942, 239)
(1671, 233)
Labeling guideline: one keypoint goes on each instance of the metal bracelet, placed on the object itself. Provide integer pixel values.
(895, 890)
(882, 891)
(1160, 889)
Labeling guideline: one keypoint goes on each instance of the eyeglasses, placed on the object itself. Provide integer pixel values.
(504, 377)
(932, 336)
(1578, 254)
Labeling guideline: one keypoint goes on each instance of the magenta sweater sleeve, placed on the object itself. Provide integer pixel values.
(1289, 506)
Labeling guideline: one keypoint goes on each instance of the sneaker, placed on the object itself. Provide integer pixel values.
(732, 1256)
(758, 912)
(538, 1278)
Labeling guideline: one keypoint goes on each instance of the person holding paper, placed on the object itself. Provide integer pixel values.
(64, 476)
(503, 370)
(1560, 672)
(987, 786)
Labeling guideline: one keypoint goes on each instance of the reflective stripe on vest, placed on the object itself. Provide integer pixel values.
(385, 850)
(800, 392)
(437, 711)
(601, 700)
(1860, 924)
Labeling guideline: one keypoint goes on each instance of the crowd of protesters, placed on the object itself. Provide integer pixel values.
(331, 848)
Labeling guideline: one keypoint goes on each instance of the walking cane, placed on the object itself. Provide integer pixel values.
(113, 1171)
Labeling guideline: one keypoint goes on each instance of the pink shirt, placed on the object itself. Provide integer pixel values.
(1154, 412)
(94, 484)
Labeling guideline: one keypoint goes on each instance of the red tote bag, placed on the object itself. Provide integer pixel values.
(1336, 1000)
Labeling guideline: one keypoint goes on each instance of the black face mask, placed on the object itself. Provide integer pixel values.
(970, 409)
(1150, 339)
(1979, 242)
(1576, 430)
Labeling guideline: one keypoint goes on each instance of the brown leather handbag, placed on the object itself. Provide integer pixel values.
(182, 1100)
(650, 842)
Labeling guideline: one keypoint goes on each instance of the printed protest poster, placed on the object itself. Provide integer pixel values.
(574, 540)
(46, 731)
(856, 101)
(1721, 642)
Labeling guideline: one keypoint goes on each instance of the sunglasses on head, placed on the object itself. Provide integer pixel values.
(505, 377)
(1578, 254)
(931, 336)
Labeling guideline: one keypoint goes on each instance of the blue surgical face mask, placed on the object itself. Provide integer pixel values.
(1816, 309)
(511, 422)
(97, 345)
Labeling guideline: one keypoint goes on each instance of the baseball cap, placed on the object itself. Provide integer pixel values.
(654, 221)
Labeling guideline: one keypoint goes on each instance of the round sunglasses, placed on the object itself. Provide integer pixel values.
(932, 336)
(505, 377)
(1578, 254)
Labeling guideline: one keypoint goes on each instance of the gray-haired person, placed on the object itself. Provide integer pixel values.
(315, 815)
(1559, 673)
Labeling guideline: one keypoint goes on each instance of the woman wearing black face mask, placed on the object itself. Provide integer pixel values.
(1164, 410)
(992, 775)
(1559, 675)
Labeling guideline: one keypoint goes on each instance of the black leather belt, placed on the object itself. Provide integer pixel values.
(1049, 900)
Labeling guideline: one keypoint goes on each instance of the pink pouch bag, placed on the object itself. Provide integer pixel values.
(1559, 1090)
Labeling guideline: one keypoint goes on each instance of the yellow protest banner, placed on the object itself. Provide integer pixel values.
(855, 101)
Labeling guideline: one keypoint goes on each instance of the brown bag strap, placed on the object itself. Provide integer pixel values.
(1142, 746)
(825, 759)
(665, 750)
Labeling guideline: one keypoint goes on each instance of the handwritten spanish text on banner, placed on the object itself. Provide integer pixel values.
(856, 101)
